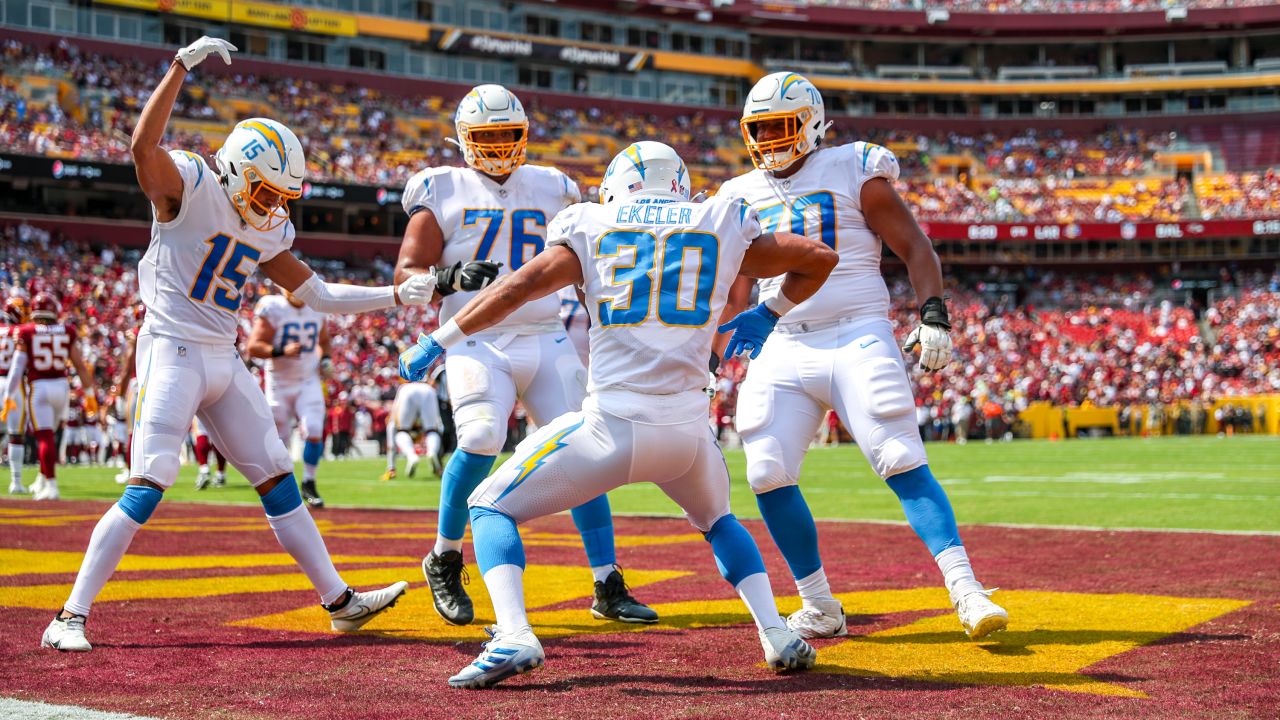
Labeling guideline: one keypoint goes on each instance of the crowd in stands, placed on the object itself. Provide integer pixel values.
(1066, 338)
(357, 135)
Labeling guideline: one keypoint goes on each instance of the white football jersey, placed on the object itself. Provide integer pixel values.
(292, 324)
(192, 273)
(483, 220)
(575, 320)
(417, 407)
(822, 201)
(657, 275)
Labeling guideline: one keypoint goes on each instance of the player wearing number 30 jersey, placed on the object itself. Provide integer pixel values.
(213, 227)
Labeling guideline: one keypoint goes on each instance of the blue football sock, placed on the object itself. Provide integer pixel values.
(496, 539)
(791, 524)
(595, 524)
(737, 556)
(139, 501)
(312, 451)
(927, 508)
(462, 476)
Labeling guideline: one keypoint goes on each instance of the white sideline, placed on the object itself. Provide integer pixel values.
(27, 710)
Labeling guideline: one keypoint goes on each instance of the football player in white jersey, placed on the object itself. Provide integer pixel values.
(16, 314)
(466, 226)
(212, 229)
(655, 270)
(294, 340)
(837, 350)
(415, 413)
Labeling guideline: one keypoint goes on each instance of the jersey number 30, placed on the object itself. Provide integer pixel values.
(677, 249)
(227, 266)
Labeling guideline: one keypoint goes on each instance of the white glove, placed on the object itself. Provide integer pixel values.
(935, 346)
(417, 290)
(195, 53)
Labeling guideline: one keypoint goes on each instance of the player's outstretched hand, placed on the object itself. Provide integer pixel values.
(475, 275)
(933, 335)
(195, 53)
(750, 329)
(417, 290)
(415, 361)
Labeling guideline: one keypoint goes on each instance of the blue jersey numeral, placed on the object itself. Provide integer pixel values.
(305, 334)
(227, 266)
(677, 250)
(521, 238)
(771, 216)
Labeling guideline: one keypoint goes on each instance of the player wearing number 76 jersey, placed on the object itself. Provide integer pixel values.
(213, 227)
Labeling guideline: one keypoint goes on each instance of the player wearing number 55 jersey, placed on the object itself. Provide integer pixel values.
(837, 349)
(294, 339)
(471, 224)
(655, 270)
(45, 351)
(212, 229)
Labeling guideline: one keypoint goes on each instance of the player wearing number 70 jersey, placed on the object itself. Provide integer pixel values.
(212, 229)
(294, 339)
(467, 225)
(837, 349)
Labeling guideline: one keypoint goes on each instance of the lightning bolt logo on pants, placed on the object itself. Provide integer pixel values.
(539, 456)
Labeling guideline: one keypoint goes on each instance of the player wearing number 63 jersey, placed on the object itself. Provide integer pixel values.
(212, 229)
(45, 351)
(655, 270)
(473, 224)
(837, 349)
(294, 339)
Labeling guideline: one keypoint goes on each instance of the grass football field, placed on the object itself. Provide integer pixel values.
(1194, 483)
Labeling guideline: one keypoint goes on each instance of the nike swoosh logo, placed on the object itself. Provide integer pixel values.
(868, 344)
(560, 340)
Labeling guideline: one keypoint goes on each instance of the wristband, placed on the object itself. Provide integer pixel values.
(277, 352)
(780, 305)
(449, 334)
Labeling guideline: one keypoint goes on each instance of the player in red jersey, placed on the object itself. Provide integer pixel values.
(15, 315)
(46, 347)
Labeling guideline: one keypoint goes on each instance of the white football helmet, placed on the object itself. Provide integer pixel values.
(258, 155)
(646, 167)
(794, 100)
(485, 109)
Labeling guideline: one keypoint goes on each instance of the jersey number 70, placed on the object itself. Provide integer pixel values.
(771, 216)
(671, 256)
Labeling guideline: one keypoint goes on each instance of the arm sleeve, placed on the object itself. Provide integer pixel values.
(871, 161)
(342, 299)
(17, 370)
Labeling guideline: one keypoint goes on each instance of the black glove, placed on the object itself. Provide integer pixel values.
(713, 364)
(934, 312)
(475, 275)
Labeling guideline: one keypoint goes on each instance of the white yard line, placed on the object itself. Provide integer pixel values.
(27, 710)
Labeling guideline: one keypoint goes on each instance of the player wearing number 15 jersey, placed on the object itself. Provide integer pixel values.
(212, 229)
(837, 349)
(294, 339)
(472, 224)
(46, 350)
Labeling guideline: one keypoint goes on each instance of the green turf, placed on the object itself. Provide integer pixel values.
(1204, 483)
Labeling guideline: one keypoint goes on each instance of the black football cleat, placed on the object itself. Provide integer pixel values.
(614, 602)
(310, 495)
(445, 574)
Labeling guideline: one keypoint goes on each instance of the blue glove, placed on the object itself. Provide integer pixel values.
(750, 330)
(415, 361)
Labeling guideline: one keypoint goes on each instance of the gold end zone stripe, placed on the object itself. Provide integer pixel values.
(1092, 87)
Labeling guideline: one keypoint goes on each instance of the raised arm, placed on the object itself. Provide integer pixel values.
(547, 272)
(157, 175)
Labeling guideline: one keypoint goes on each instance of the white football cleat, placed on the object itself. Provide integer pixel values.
(361, 607)
(506, 655)
(17, 488)
(412, 467)
(122, 477)
(38, 485)
(979, 616)
(823, 619)
(48, 490)
(784, 650)
(66, 635)
(203, 479)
